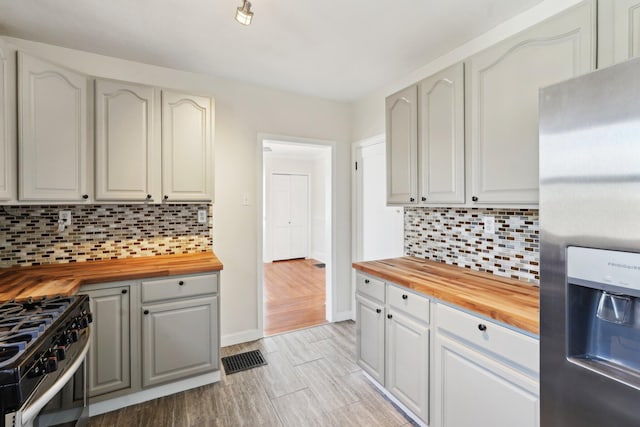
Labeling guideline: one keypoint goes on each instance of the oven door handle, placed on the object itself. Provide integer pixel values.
(28, 413)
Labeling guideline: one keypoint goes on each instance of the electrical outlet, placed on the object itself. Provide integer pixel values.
(245, 200)
(489, 224)
(65, 216)
(202, 216)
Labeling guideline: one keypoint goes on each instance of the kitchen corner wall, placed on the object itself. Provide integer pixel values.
(456, 236)
(29, 234)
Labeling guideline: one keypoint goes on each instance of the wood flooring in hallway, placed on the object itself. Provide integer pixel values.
(294, 295)
(311, 380)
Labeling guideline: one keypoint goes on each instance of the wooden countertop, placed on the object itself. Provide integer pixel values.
(66, 279)
(506, 300)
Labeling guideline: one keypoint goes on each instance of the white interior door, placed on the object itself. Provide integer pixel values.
(290, 207)
(380, 227)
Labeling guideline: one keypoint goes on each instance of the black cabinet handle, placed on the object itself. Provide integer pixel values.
(474, 199)
(181, 282)
(85, 196)
(148, 196)
(482, 327)
(424, 199)
(412, 199)
(378, 310)
(166, 197)
(124, 291)
(366, 280)
(146, 312)
(405, 296)
(389, 316)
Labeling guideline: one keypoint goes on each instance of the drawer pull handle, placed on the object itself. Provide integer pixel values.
(181, 282)
(366, 280)
(389, 316)
(146, 312)
(378, 310)
(405, 296)
(482, 327)
(124, 291)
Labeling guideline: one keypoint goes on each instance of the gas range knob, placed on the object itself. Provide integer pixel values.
(75, 335)
(84, 322)
(89, 317)
(60, 352)
(50, 364)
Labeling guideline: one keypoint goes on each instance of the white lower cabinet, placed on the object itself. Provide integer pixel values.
(151, 332)
(485, 374)
(449, 368)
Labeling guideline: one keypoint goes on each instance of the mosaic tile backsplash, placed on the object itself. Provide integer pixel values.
(456, 236)
(29, 234)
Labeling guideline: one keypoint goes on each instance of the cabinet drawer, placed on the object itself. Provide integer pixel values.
(179, 287)
(402, 299)
(487, 335)
(366, 285)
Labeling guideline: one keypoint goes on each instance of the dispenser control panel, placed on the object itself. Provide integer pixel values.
(614, 268)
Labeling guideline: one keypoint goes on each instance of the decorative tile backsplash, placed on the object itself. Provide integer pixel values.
(29, 234)
(456, 236)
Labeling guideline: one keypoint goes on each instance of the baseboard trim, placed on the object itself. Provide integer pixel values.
(343, 315)
(240, 337)
(395, 401)
(152, 393)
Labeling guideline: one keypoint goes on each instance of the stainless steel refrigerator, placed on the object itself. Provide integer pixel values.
(590, 249)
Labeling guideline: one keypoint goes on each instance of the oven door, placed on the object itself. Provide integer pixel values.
(61, 398)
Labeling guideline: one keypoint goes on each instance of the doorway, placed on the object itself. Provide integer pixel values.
(296, 234)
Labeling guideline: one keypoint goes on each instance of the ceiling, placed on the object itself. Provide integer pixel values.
(333, 49)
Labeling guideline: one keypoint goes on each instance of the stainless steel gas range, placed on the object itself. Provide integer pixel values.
(43, 347)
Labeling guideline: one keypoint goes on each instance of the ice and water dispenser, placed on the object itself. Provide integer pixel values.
(603, 312)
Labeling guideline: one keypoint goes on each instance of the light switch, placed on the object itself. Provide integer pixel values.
(202, 216)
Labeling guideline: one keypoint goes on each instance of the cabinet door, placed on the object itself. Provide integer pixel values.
(179, 339)
(407, 367)
(370, 337)
(6, 160)
(504, 84)
(109, 351)
(402, 146)
(186, 147)
(441, 149)
(472, 389)
(52, 127)
(618, 31)
(124, 140)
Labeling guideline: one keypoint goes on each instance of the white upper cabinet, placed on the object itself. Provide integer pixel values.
(618, 31)
(125, 141)
(402, 146)
(504, 81)
(52, 127)
(441, 136)
(187, 157)
(7, 191)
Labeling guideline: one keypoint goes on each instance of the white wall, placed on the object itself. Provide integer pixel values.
(316, 169)
(368, 112)
(241, 112)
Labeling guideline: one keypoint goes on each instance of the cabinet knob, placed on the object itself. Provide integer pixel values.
(166, 197)
(412, 199)
(181, 282)
(124, 291)
(389, 316)
(405, 296)
(378, 310)
(85, 196)
(474, 199)
(482, 327)
(148, 196)
(146, 312)
(366, 280)
(424, 199)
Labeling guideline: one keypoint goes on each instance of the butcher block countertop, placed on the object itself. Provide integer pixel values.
(66, 279)
(506, 300)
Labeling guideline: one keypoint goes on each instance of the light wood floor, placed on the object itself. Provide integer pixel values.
(311, 380)
(294, 295)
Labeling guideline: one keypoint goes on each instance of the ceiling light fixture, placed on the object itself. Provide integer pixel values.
(244, 14)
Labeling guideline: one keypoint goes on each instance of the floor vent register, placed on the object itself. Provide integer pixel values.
(243, 361)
